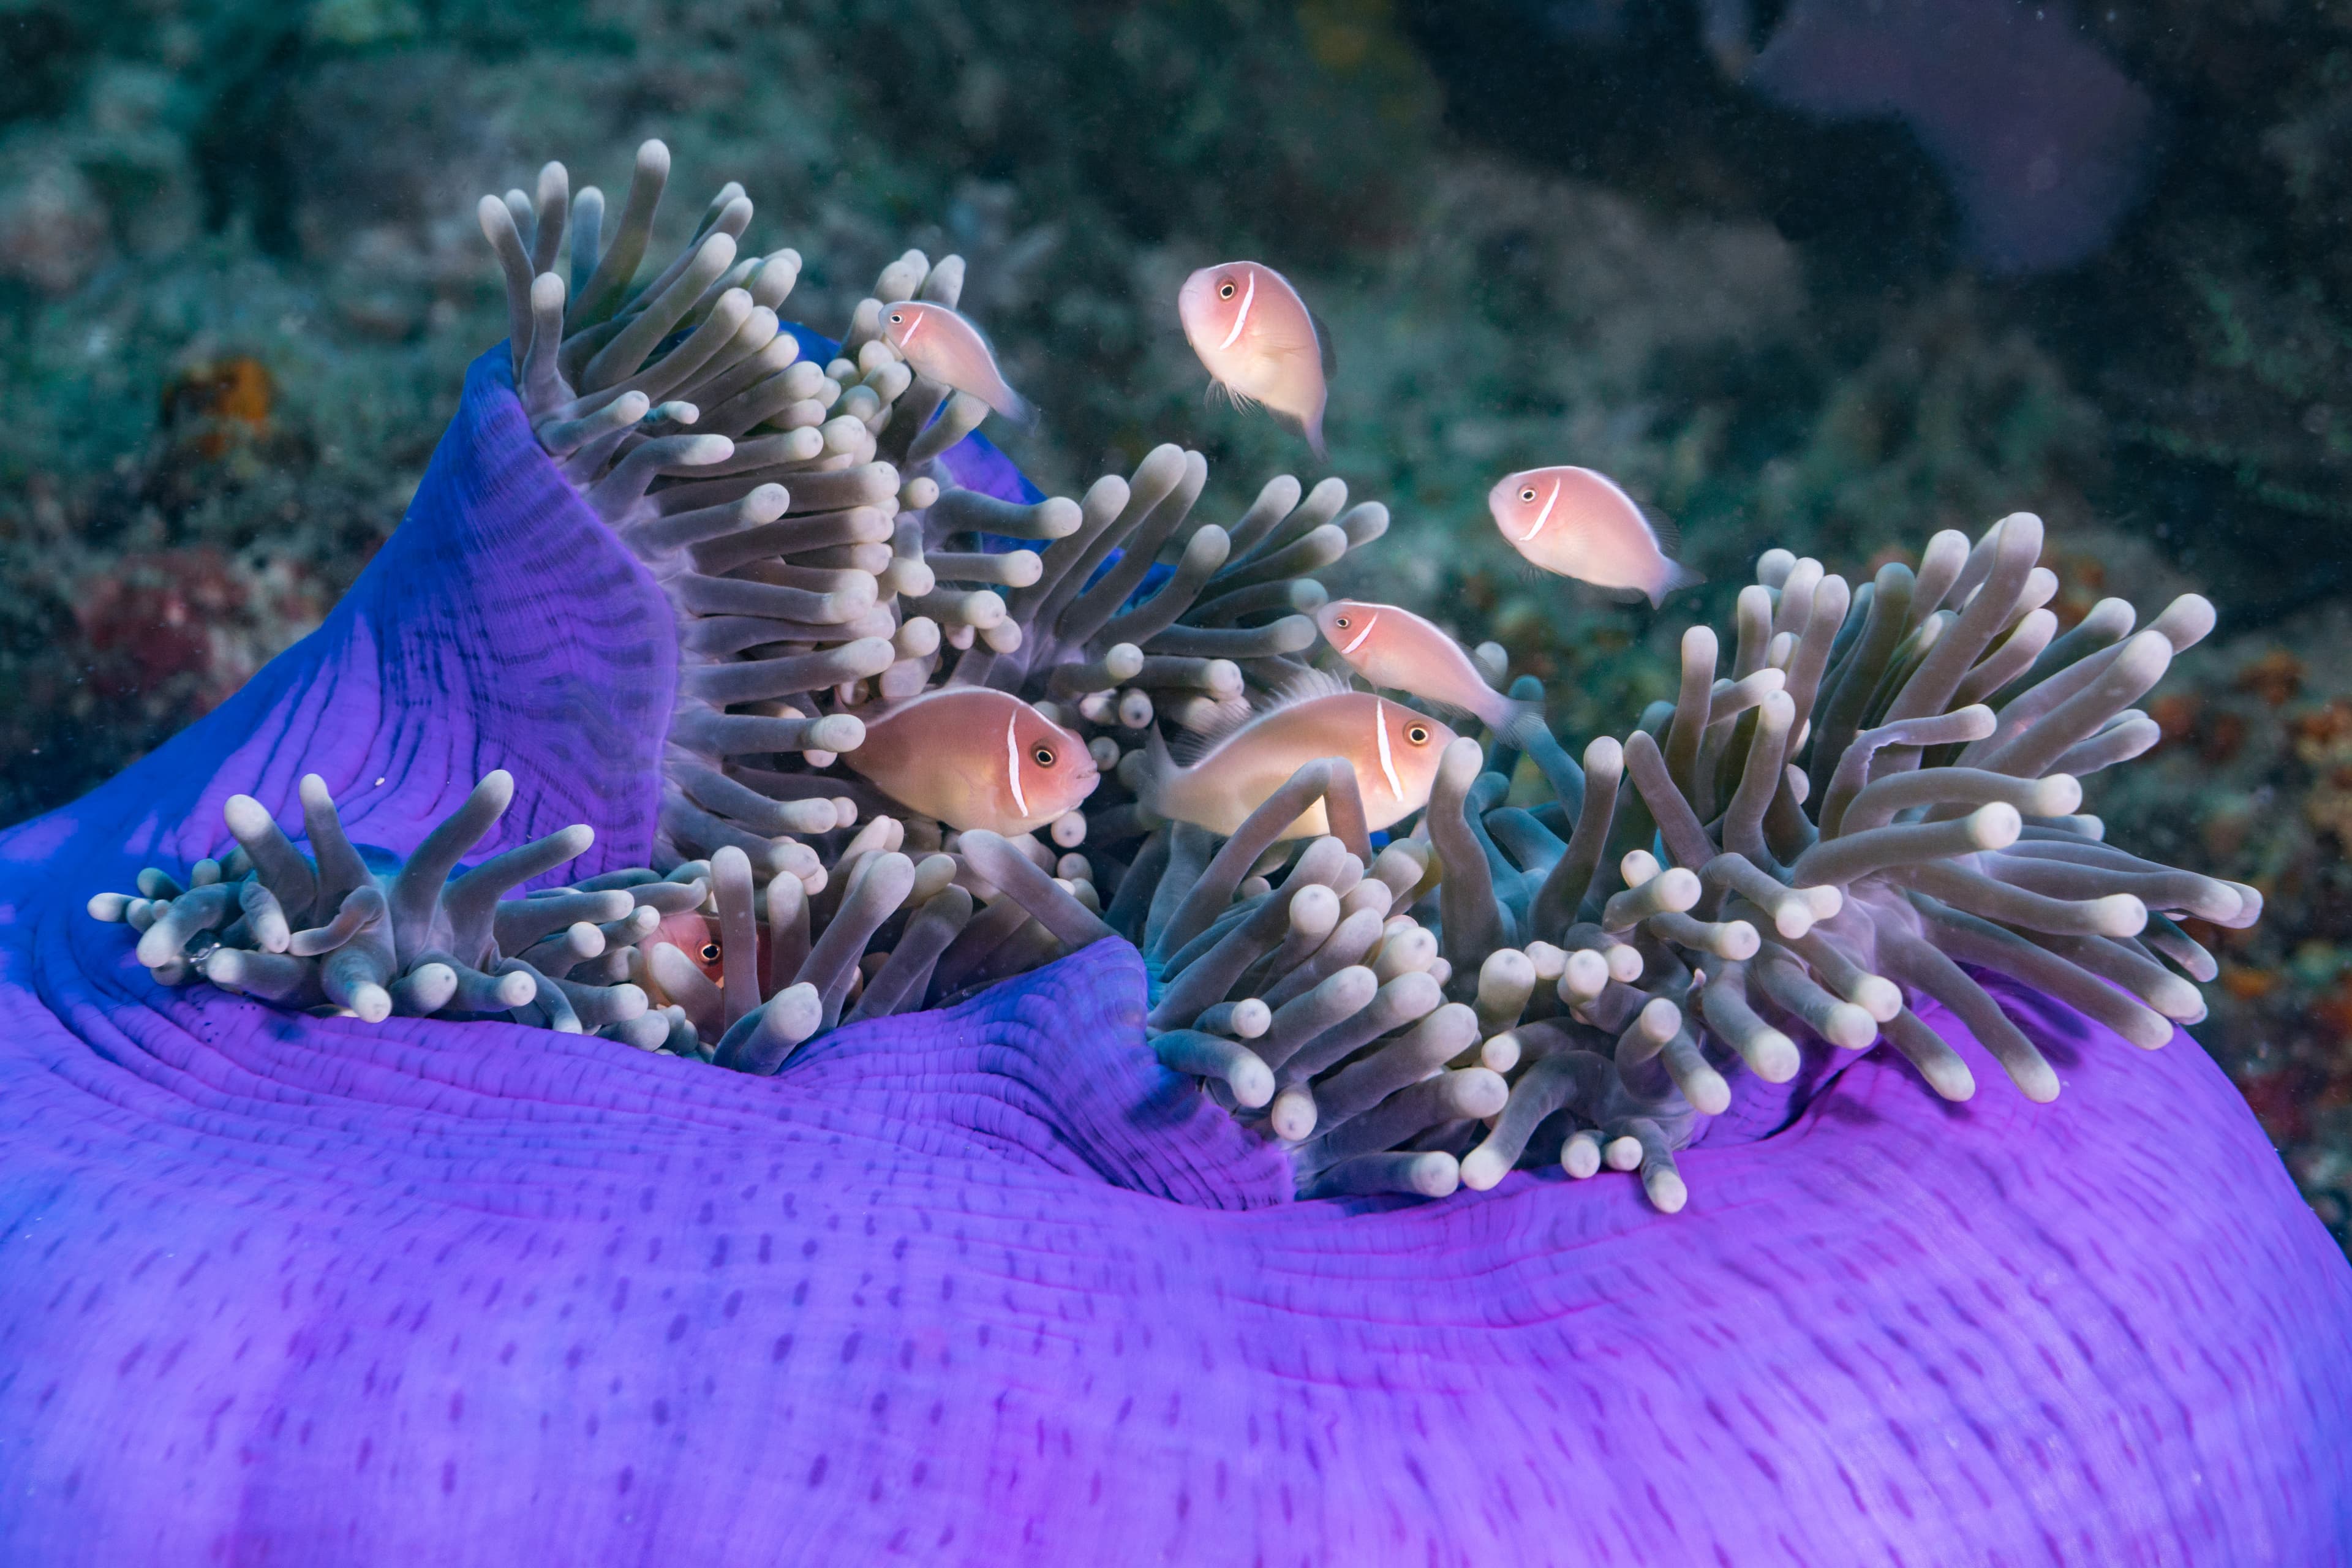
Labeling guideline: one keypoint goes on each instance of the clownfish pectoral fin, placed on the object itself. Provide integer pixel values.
(1234, 396)
(1523, 570)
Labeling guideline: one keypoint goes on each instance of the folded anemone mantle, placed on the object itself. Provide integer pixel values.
(989, 1284)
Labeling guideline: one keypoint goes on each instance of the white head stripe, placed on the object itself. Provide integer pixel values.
(1249, 293)
(915, 320)
(1372, 621)
(1381, 733)
(1549, 501)
(1013, 765)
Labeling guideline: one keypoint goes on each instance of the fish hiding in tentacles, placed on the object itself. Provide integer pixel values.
(1393, 750)
(695, 935)
(1395, 648)
(973, 758)
(937, 343)
(1260, 341)
(1581, 524)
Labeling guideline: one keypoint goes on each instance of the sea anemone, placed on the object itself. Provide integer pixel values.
(821, 555)
(1623, 950)
(401, 936)
(989, 1281)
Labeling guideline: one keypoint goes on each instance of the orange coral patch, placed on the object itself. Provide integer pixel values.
(2275, 677)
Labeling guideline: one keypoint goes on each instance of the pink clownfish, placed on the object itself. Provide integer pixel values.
(1579, 523)
(974, 757)
(937, 343)
(1393, 750)
(1260, 341)
(1393, 647)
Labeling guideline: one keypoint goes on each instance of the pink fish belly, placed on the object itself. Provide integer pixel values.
(1604, 557)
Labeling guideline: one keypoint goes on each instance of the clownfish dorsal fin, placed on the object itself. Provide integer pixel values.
(882, 708)
(1232, 717)
(1304, 683)
(1663, 530)
(1305, 686)
(1302, 687)
(1323, 342)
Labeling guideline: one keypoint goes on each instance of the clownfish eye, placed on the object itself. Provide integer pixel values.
(1528, 494)
(898, 318)
(1341, 622)
(709, 953)
(1044, 756)
(1417, 733)
(1225, 290)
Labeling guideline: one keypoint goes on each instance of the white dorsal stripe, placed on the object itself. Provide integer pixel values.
(1249, 293)
(1381, 733)
(1012, 762)
(1542, 516)
(1371, 621)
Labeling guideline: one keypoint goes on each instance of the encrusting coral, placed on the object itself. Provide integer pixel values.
(1881, 789)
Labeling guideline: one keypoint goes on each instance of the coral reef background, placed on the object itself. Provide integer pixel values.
(239, 282)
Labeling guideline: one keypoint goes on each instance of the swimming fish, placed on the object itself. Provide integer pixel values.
(1260, 341)
(1579, 523)
(1394, 751)
(1395, 648)
(937, 343)
(697, 936)
(975, 758)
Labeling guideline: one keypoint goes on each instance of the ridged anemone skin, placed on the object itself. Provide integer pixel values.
(990, 1285)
